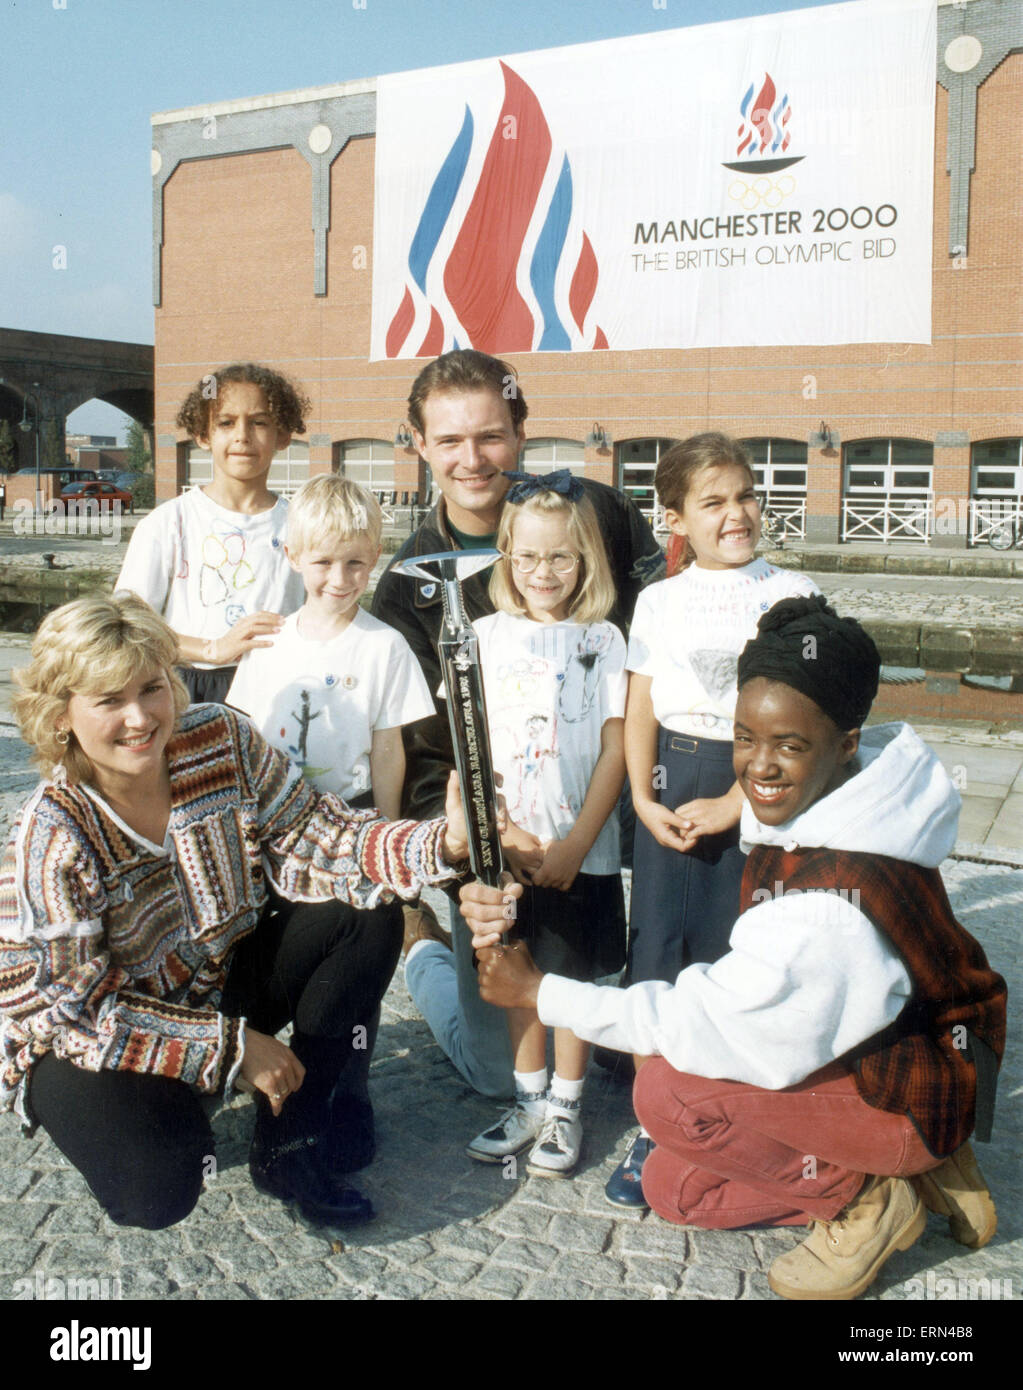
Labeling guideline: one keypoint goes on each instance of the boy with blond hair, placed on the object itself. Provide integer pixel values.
(333, 691)
(336, 685)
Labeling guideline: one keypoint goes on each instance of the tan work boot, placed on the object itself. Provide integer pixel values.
(841, 1258)
(421, 925)
(956, 1189)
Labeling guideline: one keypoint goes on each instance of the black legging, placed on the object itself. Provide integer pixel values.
(143, 1143)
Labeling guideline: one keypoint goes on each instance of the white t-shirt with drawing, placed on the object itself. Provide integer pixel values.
(549, 689)
(204, 568)
(687, 634)
(320, 702)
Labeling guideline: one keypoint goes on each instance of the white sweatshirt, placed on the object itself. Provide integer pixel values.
(807, 976)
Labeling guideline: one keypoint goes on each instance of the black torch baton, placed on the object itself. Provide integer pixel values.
(467, 706)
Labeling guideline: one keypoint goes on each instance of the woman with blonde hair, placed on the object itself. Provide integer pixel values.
(170, 898)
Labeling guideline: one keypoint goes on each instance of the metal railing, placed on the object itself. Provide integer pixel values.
(789, 512)
(988, 512)
(890, 519)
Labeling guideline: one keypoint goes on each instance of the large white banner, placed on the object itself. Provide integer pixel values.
(761, 182)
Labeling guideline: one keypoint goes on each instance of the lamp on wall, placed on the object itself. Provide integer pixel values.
(824, 437)
(598, 438)
(403, 437)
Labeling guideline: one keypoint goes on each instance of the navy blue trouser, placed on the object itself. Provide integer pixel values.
(143, 1143)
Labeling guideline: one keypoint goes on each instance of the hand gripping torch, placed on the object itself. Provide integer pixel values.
(467, 707)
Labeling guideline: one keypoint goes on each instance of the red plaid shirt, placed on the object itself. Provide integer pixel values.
(937, 1061)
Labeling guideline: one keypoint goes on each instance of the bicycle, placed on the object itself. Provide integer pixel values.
(772, 527)
(1006, 533)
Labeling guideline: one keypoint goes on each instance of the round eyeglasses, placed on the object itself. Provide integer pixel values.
(560, 561)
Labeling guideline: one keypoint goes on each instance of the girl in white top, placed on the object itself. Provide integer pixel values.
(684, 646)
(554, 672)
(211, 561)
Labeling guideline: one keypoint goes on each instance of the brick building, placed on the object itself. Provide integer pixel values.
(922, 444)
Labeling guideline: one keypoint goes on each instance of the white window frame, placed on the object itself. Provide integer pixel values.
(548, 455)
(990, 506)
(786, 500)
(648, 505)
(379, 455)
(890, 511)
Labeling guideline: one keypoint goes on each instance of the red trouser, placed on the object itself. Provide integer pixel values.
(729, 1154)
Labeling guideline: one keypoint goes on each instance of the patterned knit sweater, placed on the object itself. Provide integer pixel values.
(114, 951)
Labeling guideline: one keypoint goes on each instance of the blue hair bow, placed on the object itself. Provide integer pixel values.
(562, 480)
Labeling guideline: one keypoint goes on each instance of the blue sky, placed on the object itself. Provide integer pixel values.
(82, 77)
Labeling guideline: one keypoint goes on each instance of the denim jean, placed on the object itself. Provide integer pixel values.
(472, 1034)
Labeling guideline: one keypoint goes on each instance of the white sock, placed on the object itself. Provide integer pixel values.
(532, 1083)
(565, 1096)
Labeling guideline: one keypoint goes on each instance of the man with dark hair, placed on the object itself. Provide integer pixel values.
(468, 415)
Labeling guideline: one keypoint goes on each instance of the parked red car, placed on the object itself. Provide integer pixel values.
(87, 496)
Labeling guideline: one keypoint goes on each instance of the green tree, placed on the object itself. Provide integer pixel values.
(139, 460)
(8, 449)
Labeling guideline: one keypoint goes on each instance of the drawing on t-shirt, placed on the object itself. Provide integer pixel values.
(224, 568)
(303, 718)
(716, 671)
(581, 680)
(538, 748)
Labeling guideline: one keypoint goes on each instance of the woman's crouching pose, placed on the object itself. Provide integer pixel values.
(172, 895)
(832, 1066)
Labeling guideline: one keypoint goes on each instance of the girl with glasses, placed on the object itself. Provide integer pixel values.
(554, 671)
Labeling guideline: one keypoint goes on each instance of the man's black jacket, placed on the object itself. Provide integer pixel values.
(415, 608)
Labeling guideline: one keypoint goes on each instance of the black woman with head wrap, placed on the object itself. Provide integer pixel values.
(831, 1067)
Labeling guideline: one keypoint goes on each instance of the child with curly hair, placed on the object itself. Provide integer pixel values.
(212, 560)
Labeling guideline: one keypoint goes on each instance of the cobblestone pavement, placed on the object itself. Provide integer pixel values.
(925, 598)
(450, 1228)
(453, 1229)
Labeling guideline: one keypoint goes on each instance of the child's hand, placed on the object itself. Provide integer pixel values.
(489, 912)
(561, 864)
(508, 977)
(253, 631)
(707, 816)
(665, 826)
(523, 852)
(456, 837)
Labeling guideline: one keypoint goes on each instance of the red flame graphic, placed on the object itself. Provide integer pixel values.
(400, 324)
(433, 344)
(480, 274)
(584, 283)
(760, 116)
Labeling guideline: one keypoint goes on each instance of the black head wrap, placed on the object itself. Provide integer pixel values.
(803, 643)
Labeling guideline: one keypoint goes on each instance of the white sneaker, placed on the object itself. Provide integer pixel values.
(556, 1151)
(514, 1131)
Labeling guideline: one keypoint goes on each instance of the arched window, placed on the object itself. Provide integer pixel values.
(370, 463)
(636, 462)
(289, 470)
(198, 465)
(996, 485)
(780, 469)
(546, 455)
(888, 490)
